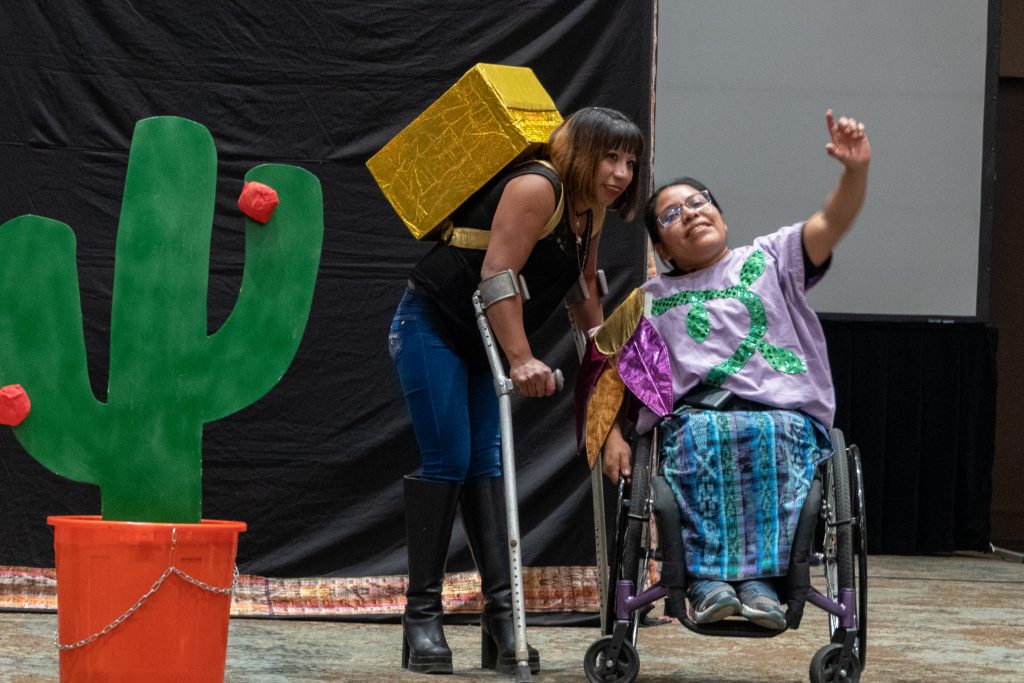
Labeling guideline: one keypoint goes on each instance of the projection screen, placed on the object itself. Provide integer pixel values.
(742, 89)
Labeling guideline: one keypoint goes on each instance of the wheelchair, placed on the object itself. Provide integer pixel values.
(830, 537)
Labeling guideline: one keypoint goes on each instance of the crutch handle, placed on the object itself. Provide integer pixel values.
(559, 381)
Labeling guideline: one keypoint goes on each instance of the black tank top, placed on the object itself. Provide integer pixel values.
(448, 275)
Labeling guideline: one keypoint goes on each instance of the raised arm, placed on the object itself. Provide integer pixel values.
(849, 146)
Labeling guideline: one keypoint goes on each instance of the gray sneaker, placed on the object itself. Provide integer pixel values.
(760, 604)
(711, 601)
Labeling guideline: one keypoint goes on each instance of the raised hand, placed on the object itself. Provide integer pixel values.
(849, 143)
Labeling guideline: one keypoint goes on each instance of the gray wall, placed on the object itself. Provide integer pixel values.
(742, 87)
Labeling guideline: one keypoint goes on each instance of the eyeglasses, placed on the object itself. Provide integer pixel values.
(695, 202)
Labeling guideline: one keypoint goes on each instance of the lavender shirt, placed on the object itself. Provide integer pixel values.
(745, 324)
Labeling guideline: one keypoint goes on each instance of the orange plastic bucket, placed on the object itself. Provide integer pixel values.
(179, 631)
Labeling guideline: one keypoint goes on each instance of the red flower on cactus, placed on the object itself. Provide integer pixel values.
(258, 201)
(14, 405)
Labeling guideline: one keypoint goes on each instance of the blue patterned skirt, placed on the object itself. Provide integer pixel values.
(740, 479)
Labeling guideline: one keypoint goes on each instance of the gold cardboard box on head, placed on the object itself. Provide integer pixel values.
(491, 116)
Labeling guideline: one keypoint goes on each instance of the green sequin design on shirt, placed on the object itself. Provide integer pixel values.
(698, 323)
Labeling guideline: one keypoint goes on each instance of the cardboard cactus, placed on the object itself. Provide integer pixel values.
(168, 375)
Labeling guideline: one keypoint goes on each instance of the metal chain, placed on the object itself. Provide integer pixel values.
(152, 589)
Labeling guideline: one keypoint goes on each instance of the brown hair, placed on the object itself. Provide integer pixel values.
(581, 142)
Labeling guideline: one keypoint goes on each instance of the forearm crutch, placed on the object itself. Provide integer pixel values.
(579, 337)
(505, 285)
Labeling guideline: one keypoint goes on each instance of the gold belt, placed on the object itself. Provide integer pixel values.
(466, 238)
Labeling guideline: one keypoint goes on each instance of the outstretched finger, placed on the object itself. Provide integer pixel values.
(830, 120)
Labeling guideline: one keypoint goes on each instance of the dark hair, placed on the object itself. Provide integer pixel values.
(583, 139)
(651, 218)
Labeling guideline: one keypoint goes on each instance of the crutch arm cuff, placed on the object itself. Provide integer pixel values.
(501, 285)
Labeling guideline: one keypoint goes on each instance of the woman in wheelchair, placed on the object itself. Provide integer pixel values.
(725, 356)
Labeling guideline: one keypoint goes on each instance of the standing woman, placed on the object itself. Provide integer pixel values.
(540, 219)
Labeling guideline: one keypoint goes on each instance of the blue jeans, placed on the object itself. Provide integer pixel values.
(454, 409)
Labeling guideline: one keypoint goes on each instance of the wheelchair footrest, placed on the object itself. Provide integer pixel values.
(732, 628)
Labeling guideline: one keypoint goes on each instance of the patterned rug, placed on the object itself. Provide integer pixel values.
(547, 589)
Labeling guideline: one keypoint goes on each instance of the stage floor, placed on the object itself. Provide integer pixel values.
(956, 618)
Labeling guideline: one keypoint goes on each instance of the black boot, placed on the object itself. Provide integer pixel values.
(483, 514)
(429, 513)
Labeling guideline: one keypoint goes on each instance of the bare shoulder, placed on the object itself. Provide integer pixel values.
(531, 187)
(526, 205)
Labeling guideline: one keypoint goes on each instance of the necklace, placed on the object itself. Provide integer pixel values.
(579, 231)
(583, 239)
(573, 222)
(579, 228)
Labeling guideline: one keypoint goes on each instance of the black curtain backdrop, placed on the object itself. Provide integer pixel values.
(315, 467)
(918, 399)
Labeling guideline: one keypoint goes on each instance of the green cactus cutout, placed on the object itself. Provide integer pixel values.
(168, 376)
(698, 323)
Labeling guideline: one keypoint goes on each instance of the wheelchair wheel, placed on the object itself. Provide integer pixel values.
(837, 546)
(634, 556)
(825, 666)
(860, 547)
(630, 554)
(625, 669)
